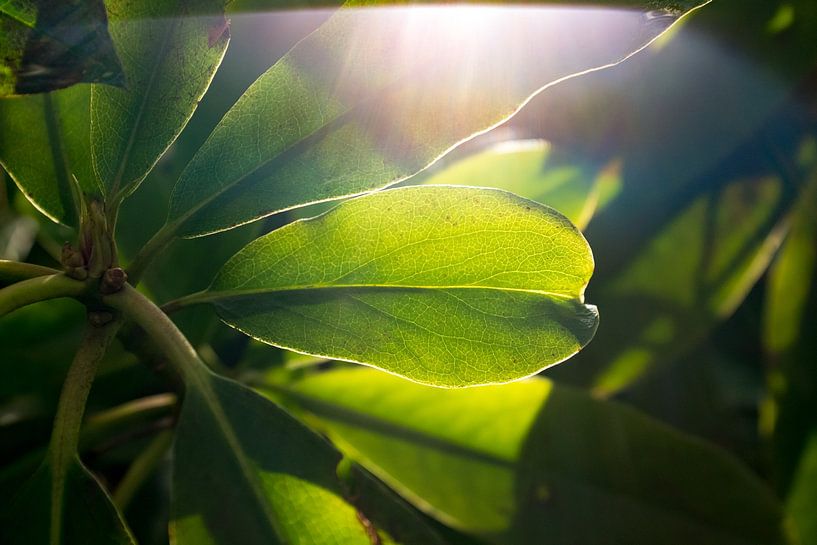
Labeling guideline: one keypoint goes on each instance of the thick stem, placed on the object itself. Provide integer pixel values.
(161, 330)
(13, 271)
(38, 289)
(65, 436)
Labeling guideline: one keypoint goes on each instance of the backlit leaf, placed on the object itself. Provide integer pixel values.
(247, 472)
(445, 285)
(534, 462)
(374, 96)
(44, 144)
(169, 59)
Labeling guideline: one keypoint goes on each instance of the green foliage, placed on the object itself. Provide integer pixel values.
(337, 136)
(508, 446)
(278, 477)
(690, 170)
(169, 60)
(443, 285)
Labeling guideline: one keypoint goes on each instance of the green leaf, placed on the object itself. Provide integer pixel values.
(169, 60)
(535, 170)
(89, 517)
(44, 144)
(247, 472)
(534, 462)
(375, 96)
(450, 286)
(50, 44)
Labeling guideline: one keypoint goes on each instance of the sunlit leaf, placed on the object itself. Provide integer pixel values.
(247, 472)
(89, 517)
(533, 462)
(44, 145)
(445, 285)
(169, 59)
(534, 170)
(376, 95)
(50, 44)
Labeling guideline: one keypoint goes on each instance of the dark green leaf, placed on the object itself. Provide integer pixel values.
(169, 60)
(44, 144)
(451, 286)
(376, 95)
(247, 472)
(50, 44)
(88, 516)
(533, 462)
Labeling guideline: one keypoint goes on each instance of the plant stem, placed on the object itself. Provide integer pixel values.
(161, 329)
(185, 301)
(65, 436)
(37, 289)
(142, 468)
(149, 251)
(14, 271)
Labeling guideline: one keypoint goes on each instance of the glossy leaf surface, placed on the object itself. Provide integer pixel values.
(534, 462)
(444, 285)
(247, 472)
(50, 44)
(169, 59)
(44, 144)
(379, 95)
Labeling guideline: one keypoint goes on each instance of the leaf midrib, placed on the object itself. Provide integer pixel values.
(143, 104)
(214, 296)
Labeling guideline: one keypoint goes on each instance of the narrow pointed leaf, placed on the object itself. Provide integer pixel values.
(89, 516)
(169, 59)
(44, 145)
(50, 44)
(535, 462)
(247, 472)
(444, 285)
(381, 94)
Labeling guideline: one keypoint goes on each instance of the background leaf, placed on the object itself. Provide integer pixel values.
(534, 462)
(449, 286)
(387, 106)
(169, 60)
(89, 515)
(50, 44)
(535, 170)
(247, 472)
(44, 143)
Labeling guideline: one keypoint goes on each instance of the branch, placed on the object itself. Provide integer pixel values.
(13, 271)
(37, 289)
(62, 450)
